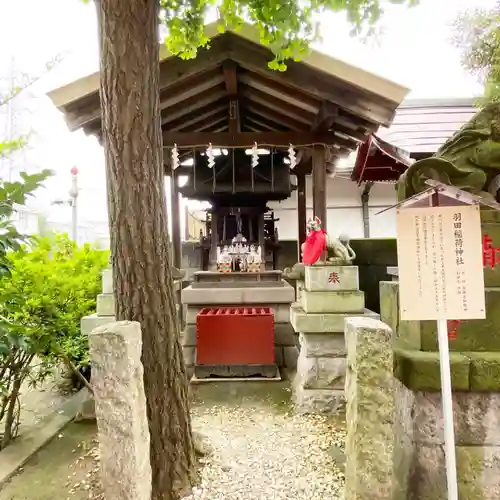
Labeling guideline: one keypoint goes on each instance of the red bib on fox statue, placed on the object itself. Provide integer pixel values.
(315, 245)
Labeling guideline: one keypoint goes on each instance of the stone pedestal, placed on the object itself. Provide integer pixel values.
(118, 382)
(330, 294)
(265, 289)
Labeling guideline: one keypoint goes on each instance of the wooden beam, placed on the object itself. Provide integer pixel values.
(196, 115)
(266, 123)
(276, 104)
(276, 117)
(325, 117)
(229, 70)
(319, 184)
(176, 75)
(344, 123)
(306, 81)
(187, 106)
(301, 212)
(205, 121)
(176, 222)
(247, 139)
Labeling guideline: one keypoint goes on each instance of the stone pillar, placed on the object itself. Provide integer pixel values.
(329, 295)
(105, 308)
(117, 378)
(370, 410)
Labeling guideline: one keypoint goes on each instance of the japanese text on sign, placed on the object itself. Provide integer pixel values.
(440, 263)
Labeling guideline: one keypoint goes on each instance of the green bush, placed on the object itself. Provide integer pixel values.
(52, 284)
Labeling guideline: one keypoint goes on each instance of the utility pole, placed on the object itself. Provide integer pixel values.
(73, 199)
(72, 202)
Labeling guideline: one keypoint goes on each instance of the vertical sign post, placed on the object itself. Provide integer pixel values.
(440, 261)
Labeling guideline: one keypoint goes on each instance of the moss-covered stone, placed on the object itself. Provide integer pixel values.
(472, 335)
(375, 251)
(420, 371)
(406, 333)
(484, 370)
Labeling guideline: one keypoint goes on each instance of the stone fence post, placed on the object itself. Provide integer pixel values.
(370, 410)
(117, 379)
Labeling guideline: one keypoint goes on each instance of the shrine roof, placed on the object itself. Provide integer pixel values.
(420, 128)
(320, 94)
(423, 125)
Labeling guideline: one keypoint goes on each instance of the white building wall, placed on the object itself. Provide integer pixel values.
(344, 210)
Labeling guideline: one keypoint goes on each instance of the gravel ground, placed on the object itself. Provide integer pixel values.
(261, 452)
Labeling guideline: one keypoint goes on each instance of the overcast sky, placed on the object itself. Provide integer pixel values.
(415, 50)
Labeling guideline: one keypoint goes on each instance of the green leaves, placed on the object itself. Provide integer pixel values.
(287, 28)
(477, 35)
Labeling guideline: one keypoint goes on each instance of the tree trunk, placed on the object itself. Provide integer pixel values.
(143, 282)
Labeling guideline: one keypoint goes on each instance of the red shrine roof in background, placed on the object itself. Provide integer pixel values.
(379, 161)
(420, 128)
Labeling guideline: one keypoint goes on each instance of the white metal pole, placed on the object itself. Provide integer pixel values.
(74, 209)
(447, 402)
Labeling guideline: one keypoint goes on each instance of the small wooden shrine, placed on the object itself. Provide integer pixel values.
(227, 100)
(245, 135)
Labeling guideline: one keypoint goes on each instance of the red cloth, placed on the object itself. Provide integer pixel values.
(314, 247)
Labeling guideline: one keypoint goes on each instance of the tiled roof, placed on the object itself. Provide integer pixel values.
(422, 126)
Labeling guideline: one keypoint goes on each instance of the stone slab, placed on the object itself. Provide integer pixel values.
(88, 323)
(333, 302)
(331, 278)
(118, 383)
(107, 281)
(105, 304)
(476, 417)
(325, 401)
(320, 345)
(322, 323)
(420, 370)
(245, 295)
(320, 373)
(478, 473)
(281, 311)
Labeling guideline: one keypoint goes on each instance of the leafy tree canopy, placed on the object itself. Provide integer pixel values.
(287, 28)
(477, 35)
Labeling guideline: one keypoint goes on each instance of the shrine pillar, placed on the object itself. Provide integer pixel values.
(319, 184)
(301, 212)
(176, 223)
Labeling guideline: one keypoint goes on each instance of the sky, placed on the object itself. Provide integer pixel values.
(414, 50)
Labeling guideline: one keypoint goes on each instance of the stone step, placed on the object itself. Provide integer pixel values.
(303, 322)
(333, 302)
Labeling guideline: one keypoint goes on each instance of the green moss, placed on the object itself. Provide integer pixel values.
(472, 335)
(420, 371)
(484, 370)
(470, 471)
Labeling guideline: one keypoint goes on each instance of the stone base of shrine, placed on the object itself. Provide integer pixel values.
(329, 295)
(263, 290)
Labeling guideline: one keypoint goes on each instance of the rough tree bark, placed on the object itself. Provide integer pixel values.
(143, 283)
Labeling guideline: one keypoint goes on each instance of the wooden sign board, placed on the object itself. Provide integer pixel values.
(440, 263)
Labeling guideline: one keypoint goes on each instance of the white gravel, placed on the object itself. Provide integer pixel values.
(262, 453)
